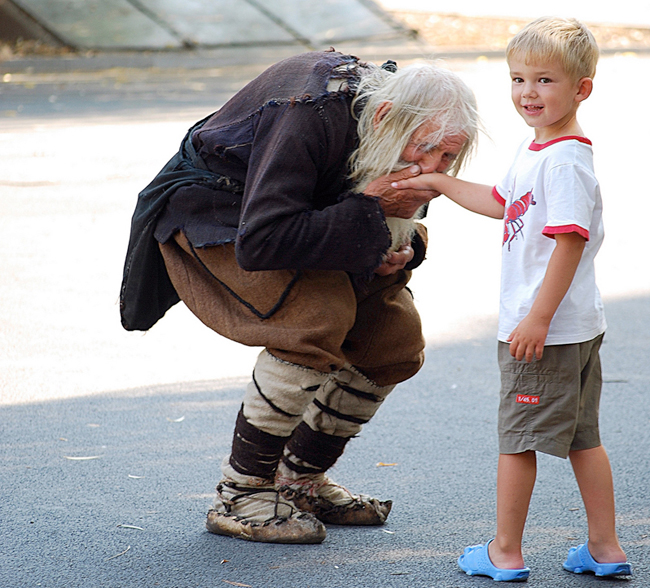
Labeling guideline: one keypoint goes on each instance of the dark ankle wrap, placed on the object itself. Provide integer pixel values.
(254, 452)
(318, 449)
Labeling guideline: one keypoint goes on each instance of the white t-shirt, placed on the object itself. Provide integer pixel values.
(551, 188)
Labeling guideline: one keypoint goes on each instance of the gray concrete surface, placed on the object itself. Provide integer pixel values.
(177, 24)
(155, 411)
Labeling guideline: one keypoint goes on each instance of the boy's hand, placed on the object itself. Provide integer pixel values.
(528, 338)
(399, 203)
(419, 182)
(475, 197)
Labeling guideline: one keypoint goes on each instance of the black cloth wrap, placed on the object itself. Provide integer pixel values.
(147, 292)
(317, 449)
(254, 452)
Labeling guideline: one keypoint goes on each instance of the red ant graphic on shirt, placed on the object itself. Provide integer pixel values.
(514, 224)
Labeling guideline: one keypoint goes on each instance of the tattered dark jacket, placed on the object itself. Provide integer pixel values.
(268, 172)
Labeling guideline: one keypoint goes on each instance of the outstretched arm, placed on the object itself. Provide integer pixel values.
(475, 197)
(529, 335)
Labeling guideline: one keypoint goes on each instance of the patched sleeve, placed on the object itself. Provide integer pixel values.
(295, 149)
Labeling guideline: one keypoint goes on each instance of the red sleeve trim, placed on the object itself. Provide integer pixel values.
(500, 199)
(550, 231)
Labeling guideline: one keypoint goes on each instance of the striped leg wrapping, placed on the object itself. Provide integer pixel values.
(248, 506)
(279, 393)
(346, 402)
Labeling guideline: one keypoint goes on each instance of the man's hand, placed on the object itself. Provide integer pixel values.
(395, 260)
(399, 203)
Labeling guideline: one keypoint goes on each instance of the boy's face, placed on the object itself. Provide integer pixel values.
(545, 96)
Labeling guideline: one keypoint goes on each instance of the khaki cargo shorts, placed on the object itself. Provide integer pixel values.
(550, 405)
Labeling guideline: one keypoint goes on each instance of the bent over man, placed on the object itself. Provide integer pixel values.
(271, 224)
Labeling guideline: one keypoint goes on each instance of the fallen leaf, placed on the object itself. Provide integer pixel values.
(118, 554)
(84, 458)
(130, 527)
(382, 464)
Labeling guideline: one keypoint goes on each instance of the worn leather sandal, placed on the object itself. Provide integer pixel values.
(261, 514)
(331, 503)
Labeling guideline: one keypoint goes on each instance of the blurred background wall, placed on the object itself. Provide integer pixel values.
(136, 25)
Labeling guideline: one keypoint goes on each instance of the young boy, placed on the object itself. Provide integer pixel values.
(551, 314)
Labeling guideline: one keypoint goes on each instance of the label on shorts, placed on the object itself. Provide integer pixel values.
(525, 399)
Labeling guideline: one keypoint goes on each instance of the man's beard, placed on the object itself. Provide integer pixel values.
(401, 229)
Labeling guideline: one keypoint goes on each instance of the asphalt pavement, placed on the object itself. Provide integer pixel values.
(110, 442)
(111, 490)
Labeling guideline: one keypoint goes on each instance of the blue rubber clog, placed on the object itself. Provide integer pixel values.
(475, 561)
(580, 561)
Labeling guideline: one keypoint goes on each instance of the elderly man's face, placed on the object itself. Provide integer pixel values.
(430, 157)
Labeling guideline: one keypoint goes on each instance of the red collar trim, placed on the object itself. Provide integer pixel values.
(539, 146)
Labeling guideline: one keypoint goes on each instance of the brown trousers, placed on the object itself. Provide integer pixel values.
(322, 323)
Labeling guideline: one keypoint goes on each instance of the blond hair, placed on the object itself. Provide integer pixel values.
(566, 40)
(418, 93)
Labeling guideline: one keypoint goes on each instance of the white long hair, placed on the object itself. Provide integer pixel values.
(418, 93)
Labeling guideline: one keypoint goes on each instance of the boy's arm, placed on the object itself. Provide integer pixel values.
(475, 197)
(529, 336)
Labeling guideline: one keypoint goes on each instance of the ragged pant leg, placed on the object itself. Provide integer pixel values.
(346, 402)
(386, 343)
(340, 408)
(310, 325)
(384, 347)
(273, 406)
(323, 324)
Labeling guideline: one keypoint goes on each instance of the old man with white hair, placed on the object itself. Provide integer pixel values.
(277, 225)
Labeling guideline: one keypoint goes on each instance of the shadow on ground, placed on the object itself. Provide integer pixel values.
(111, 490)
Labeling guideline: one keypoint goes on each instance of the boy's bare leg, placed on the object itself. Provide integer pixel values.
(515, 482)
(594, 476)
